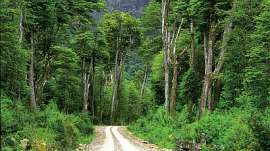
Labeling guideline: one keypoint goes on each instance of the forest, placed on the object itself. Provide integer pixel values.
(178, 72)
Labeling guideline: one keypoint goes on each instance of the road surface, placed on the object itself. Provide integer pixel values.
(117, 138)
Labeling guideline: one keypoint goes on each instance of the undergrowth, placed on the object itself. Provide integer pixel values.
(48, 129)
(234, 130)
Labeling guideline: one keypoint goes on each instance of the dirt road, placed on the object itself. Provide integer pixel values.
(117, 138)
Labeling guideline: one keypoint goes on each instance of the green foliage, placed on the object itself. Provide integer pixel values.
(65, 88)
(256, 74)
(239, 137)
(151, 31)
(215, 131)
(156, 128)
(118, 25)
(48, 129)
(228, 131)
(157, 77)
(13, 58)
(159, 128)
(233, 74)
(260, 124)
(188, 87)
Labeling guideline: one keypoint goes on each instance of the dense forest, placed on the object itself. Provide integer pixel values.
(176, 72)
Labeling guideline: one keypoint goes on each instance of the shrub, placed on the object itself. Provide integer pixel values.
(84, 124)
(48, 129)
(221, 131)
(238, 137)
(261, 125)
(159, 128)
(40, 138)
(216, 131)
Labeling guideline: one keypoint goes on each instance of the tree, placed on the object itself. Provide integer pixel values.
(122, 35)
(13, 57)
(170, 35)
(65, 81)
(209, 43)
(151, 39)
(256, 75)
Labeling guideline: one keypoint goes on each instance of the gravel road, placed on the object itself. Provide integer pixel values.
(117, 138)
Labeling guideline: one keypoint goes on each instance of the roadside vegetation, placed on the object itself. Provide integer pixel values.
(48, 129)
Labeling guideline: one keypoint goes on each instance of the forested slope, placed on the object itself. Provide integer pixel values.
(179, 73)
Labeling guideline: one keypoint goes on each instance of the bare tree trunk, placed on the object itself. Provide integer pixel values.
(204, 89)
(33, 103)
(21, 26)
(86, 77)
(167, 84)
(226, 37)
(119, 76)
(165, 39)
(210, 68)
(192, 64)
(174, 88)
(175, 36)
(144, 81)
(115, 82)
(209, 73)
(92, 80)
(219, 65)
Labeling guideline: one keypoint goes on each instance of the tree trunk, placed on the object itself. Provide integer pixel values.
(119, 76)
(209, 73)
(175, 36)
(209, 68)
(174, 88)
(144, 81)
(167, 84)
(86, 78)
(216, 95)
(165, 40)
(21, 26)
(33, 103)
(40, 84)
(192, 58)
(190, 109)
(225, 39)
(92, 80)
(205, 82)
(115, 82)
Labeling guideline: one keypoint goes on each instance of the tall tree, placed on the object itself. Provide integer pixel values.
(151, 39)
(13, 57)
(209, 43)
(122, 35)
(170, 35)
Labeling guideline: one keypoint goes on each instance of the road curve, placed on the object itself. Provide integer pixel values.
(116, 138)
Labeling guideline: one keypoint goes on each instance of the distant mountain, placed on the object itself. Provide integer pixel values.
(135, 7)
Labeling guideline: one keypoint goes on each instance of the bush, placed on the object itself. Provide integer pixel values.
(159, 128)
(84, 124)
(238, 137)
(261, 125)
(40, 138)
(221, 131)
(48, 129)
(216, 131)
